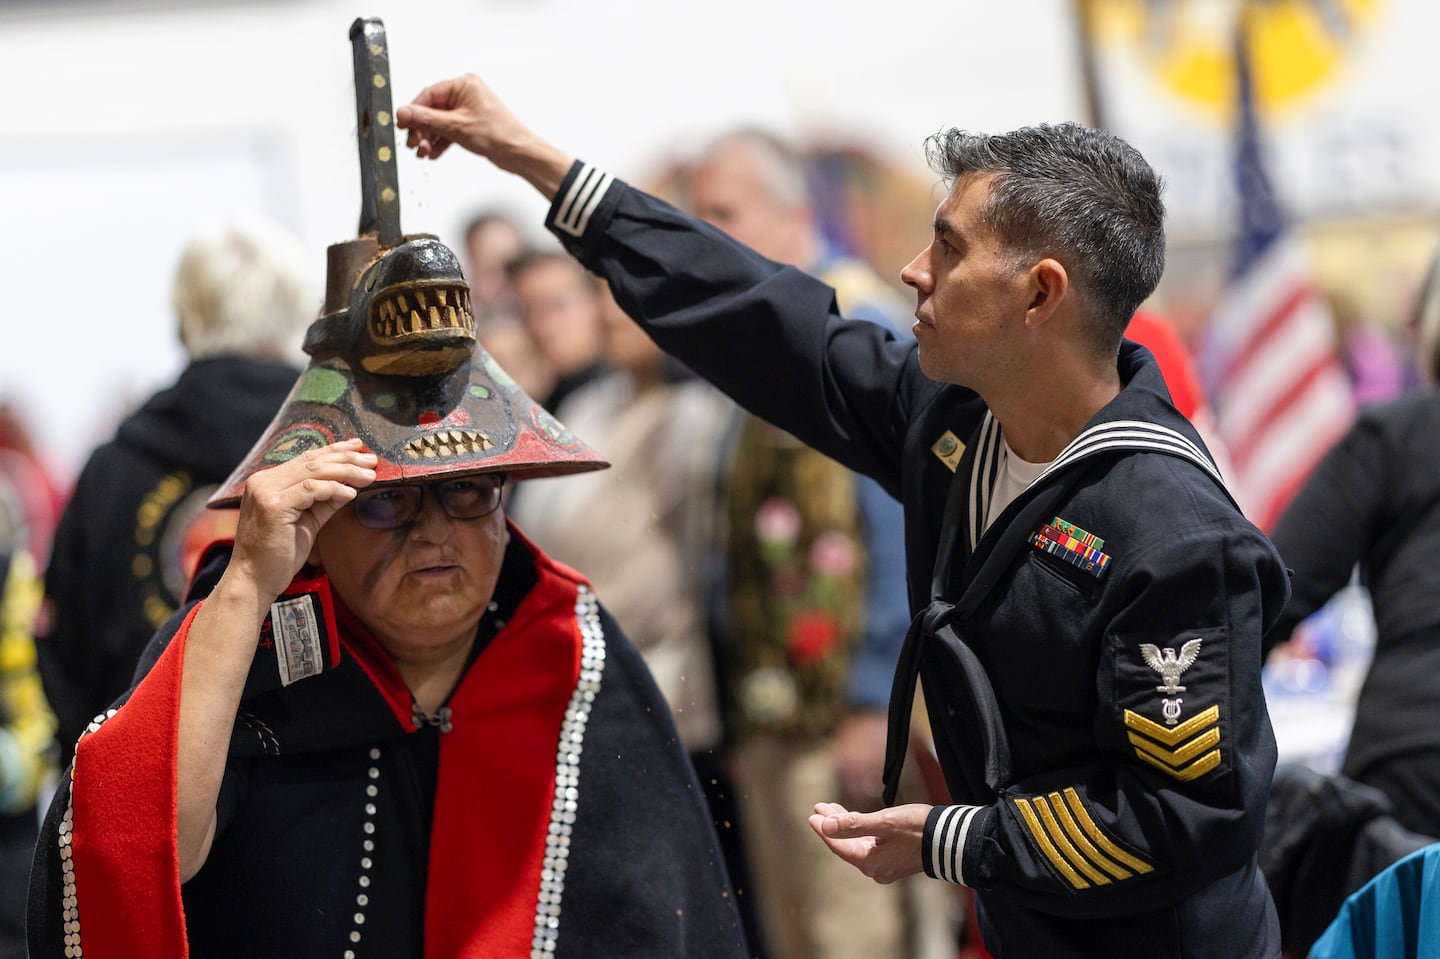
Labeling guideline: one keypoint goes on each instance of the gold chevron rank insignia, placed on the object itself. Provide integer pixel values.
(1185, 752)
(1074, 843)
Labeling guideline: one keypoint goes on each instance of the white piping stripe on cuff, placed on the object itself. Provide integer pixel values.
(577, 186)
(960, 844)
(952, 861)
(937, 840)
(585, 194)
(600, 188)
(947, 855)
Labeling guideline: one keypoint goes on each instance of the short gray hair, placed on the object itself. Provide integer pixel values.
(1084, 196)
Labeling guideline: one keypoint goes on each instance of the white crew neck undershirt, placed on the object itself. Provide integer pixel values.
(1015, 476)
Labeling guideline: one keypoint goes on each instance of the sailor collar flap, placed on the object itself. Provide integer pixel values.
(1133, 422)
(1116, 437)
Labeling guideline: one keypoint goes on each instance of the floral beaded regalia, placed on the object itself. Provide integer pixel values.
(795, 585)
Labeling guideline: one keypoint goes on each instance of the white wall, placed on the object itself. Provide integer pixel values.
(129, 125)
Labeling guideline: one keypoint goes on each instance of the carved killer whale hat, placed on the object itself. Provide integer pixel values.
(394, 360)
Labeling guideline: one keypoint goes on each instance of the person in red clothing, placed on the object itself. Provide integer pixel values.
(1187, 391)
(1182, 379)
(30, 499)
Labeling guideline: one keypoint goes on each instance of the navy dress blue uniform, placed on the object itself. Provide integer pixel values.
(1091, 661)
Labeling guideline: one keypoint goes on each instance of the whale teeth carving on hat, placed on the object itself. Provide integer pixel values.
(394, 358)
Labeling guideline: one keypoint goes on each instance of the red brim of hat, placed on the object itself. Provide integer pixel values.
(473, 420)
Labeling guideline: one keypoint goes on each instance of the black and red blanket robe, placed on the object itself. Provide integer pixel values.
(557, 816)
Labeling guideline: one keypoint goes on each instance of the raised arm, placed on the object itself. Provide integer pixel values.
(767, 335)
(280, 515)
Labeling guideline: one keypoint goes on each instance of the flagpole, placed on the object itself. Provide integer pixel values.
(1089, 65)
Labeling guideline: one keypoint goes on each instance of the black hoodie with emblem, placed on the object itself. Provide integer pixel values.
(118, 565)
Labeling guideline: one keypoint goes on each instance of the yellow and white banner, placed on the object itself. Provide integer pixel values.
(1342, 89)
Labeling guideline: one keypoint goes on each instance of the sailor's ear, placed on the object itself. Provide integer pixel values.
(1049, 286)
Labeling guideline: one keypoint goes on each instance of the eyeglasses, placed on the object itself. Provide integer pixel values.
(389, 507)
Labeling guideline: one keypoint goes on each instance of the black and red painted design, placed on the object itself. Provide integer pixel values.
(399, 368)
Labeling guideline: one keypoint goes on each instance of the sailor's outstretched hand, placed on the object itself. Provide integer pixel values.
(884, 845)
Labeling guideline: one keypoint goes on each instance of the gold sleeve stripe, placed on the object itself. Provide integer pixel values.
(1181, 756)
(1082, 816)
(1195, 770)
(1084, 845)
(1057, 836)
(1172, 735)
(1048, 848)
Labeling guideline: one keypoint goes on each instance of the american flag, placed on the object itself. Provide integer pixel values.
(1281, 396)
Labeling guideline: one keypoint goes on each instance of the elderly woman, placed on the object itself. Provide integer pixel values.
(384, 723)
